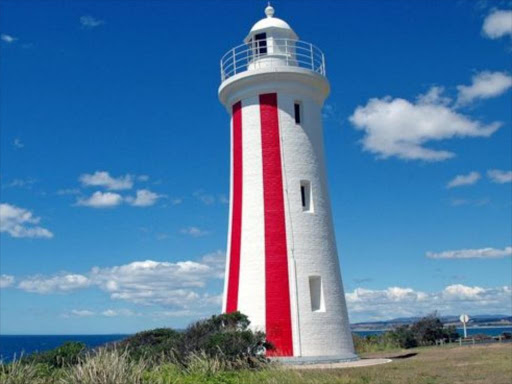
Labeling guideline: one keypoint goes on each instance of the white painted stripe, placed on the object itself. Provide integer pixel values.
(251, 294)
(228, 247)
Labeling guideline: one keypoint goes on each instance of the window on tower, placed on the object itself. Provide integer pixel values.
(305, 195)
(297, 112)
(260, 44)
(316, 294)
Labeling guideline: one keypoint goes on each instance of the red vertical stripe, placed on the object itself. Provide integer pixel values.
(277, 289)
(236, 218)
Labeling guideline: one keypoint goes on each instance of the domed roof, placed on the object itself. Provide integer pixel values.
(271, 23)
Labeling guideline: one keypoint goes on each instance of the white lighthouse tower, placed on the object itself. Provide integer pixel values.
(282, 263)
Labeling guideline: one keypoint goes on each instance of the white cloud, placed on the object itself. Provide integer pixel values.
(400, 128)
(393, 302)
(205, 198)
(81, 313)
(103, 179)
(117, 312)
(17, 143)
(9, 39)
(500, 177)
(194, 231)
(21, 183)
(6, 281)
(498, 24)
(473, 202)
(101, 200)
(143, 198)
(59, 283)
(482, 253)
(19, 222)
(90, 22)
(461, 180)
(68, 191)
(174, 285)
(484, 85)
(434, 96)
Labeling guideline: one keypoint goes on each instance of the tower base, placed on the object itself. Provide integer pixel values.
(305, 360)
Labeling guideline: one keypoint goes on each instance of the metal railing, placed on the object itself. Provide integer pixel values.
(272, 53)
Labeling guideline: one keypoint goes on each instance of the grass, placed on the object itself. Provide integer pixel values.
(479, 364)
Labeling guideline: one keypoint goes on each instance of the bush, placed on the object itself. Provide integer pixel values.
(155, 345)
(375, 343)
(425, 331)
(225, 337)
(64, 355)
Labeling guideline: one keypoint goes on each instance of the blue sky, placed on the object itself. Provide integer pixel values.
(115, 157)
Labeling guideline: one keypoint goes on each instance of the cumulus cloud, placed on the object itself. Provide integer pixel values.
(54, 284)
(90, 22)
(9, 39)
(498, 24)
(484, 85)
(172, 285)
(461, 180)
(481, 253)
(204, 197)
(143, 198)
(500, 177)
(19, 222)
(81, 313)
(101, 200)
(364, 304)
(103, 179)
(118, 312)
(194, 231)
(6, 281)
(401, 128)
(17, 143)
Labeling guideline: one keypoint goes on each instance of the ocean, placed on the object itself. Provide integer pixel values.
(15, 345)
(490, 331)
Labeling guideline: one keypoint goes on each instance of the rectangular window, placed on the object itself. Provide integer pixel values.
(261, 43)
(316, 294)
(297, 112)
(305, 195)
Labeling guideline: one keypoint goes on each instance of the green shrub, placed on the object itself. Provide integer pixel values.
(156, 345)
(225, 337)
(64, 355)
(375, 343)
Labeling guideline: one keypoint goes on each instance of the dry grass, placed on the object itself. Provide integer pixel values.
(484, 364)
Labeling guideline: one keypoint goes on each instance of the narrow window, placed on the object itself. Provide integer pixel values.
(305, 196)
(316, 293)
(297, 112)
(261, 43)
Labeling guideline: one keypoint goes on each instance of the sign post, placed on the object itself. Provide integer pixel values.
(464, 319)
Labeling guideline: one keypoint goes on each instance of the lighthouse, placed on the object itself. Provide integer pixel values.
(282, 267)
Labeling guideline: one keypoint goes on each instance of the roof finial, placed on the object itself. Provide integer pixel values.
(269, 11)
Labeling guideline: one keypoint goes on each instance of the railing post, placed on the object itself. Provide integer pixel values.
(221, 70)
(323, 65)
(234, 61)
(286, 52)
(312, 57)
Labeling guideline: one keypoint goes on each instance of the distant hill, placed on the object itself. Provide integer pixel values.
(475, 321)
